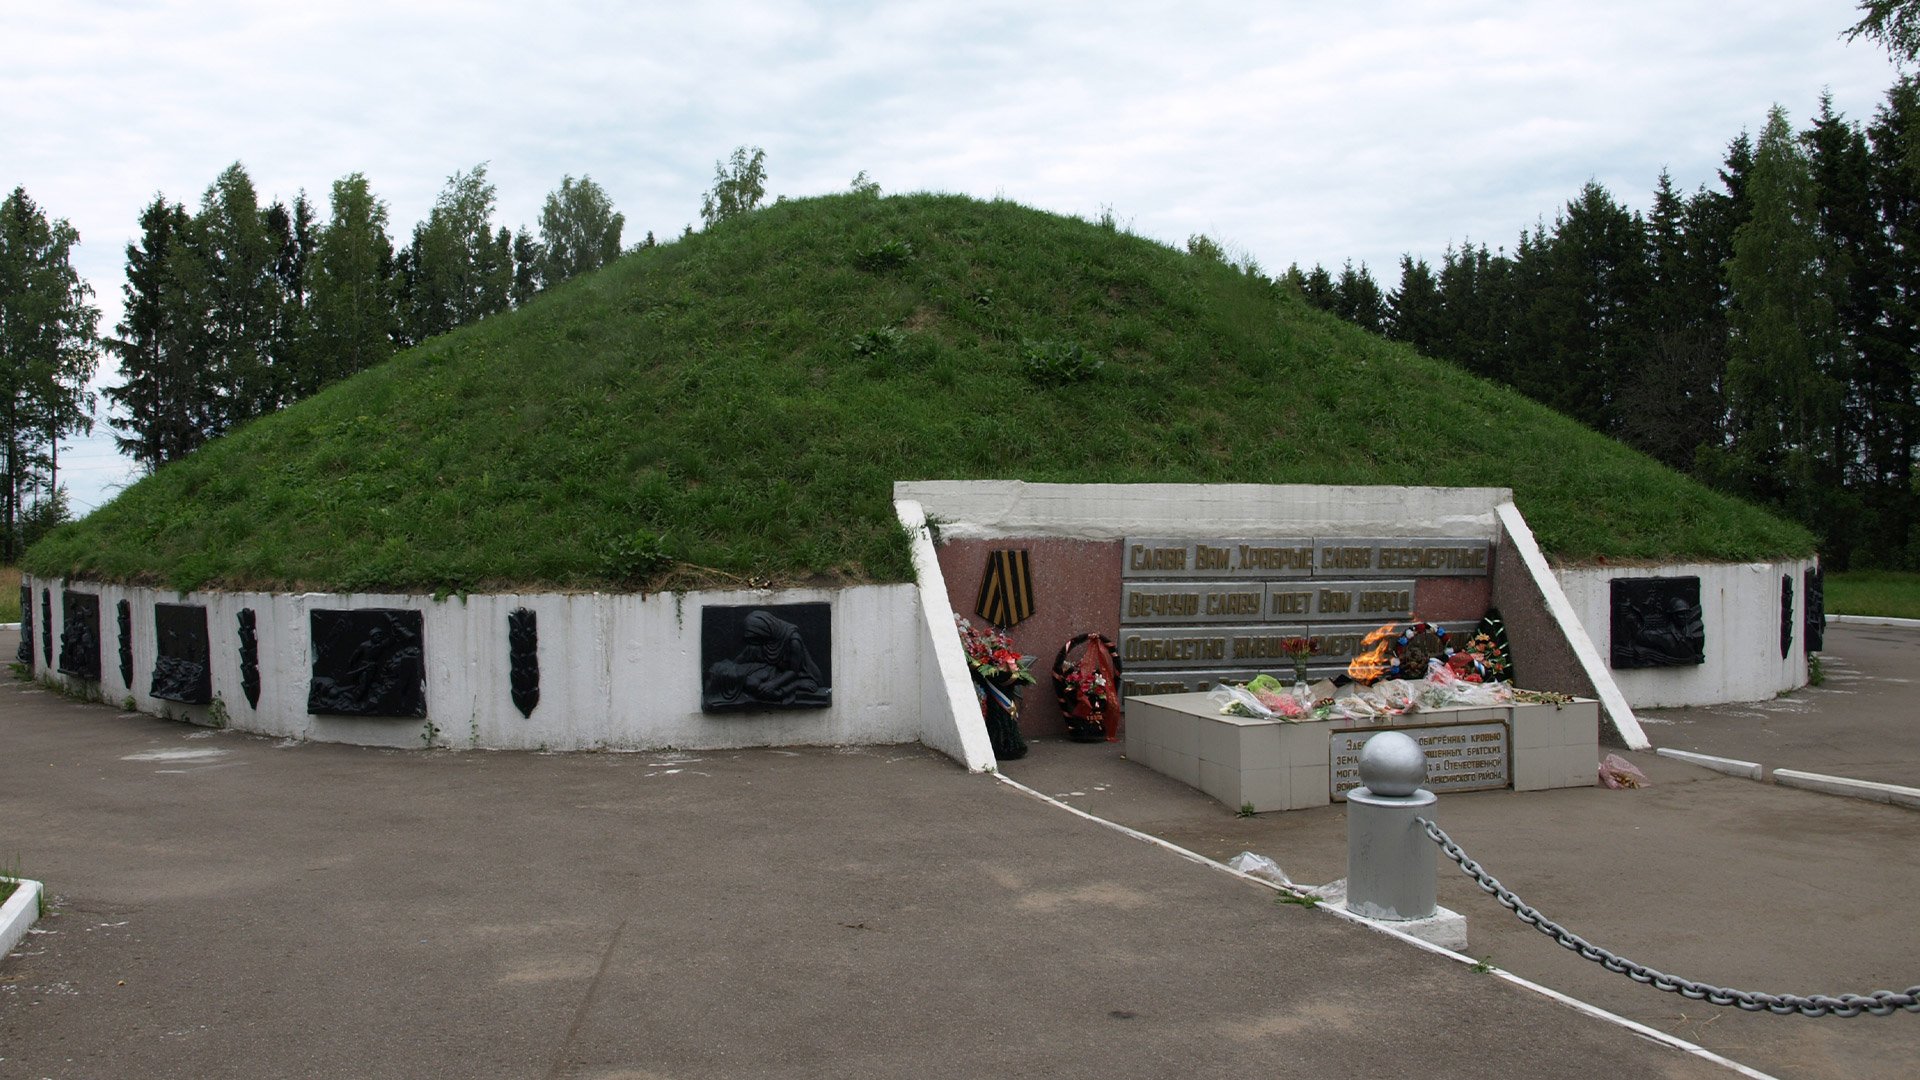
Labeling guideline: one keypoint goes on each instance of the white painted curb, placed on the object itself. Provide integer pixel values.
(1752, 770)
(18, 913)
(1875, 620)
(1856, 789)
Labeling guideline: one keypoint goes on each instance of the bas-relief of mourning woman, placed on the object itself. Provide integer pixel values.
(772, 668)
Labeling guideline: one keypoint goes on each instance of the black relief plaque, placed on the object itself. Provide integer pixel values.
(124, 616)
(523, 659)
(773, 656)
(80, 634)
(46, 627)
(183, 660)
(249, 659)
(1816, 617)
(367, 663)
(25, 652)
(1657, 622)
(1786, 615)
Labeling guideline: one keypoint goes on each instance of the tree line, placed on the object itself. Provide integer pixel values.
(1762, 334)
(238, 309)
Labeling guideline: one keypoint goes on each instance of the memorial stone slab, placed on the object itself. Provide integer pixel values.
(1249, 646)
(1402, 556)
(1460, 757)
(1169, 603)
(1152, 557)
(1172, 647)
(1144, 603)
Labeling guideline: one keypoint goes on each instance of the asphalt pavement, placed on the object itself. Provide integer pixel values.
(228, 905)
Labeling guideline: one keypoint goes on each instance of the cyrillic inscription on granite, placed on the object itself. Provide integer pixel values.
(1460, 757)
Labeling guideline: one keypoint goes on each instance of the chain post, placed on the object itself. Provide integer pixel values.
(1390, 871)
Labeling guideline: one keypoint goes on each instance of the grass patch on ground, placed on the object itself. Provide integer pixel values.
(1891, 593)
(736, 406)
(9, 594)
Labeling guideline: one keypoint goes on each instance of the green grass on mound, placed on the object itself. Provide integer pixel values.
(737, 405)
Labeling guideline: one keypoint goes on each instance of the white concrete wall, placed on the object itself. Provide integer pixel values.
(1740, 603)
(992, 509)
(617, 671)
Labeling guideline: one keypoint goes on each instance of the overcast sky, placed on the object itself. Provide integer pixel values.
(1291, 132)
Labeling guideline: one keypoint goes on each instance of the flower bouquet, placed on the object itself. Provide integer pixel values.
(999, 671)
(1298, 649)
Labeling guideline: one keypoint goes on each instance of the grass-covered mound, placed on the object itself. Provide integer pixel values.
(737, 405)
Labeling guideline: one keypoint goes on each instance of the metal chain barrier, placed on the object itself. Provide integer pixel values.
(1879, 1003)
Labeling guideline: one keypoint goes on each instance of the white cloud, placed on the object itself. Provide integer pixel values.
(1294, 132)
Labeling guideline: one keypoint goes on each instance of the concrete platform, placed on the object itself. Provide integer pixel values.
(235, 906)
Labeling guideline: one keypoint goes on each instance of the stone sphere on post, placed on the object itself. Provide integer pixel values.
(1392, 764)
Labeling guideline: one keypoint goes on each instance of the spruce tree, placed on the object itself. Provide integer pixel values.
(1670, 404)
(526, 267)
(1781, 394)
(164, 401)
(1583, 283)
(1359, 300)
(1413, 309)
(1890, 354)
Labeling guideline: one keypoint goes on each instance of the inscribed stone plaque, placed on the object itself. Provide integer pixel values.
(1190, 602)
(80, 634)
(182, 663)
(766, 656)
(1151, 648)
(1341, 642)
(1347, 599)
(1150, 557)
(1657, 622)
(1402, 556)
(367, 662)
(1460, 757)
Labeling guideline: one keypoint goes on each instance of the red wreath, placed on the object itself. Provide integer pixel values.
(1088, 688)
